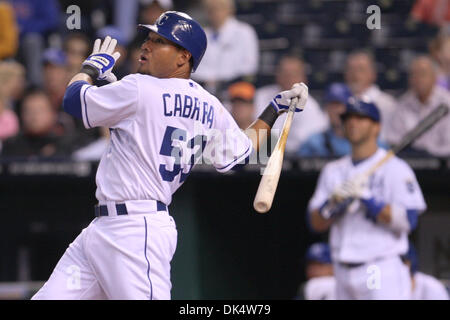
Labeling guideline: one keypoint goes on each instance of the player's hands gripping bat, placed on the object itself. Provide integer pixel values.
(357, 187)
(100, 63)
(296, 100)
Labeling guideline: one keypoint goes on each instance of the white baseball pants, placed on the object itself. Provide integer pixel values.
(384, 279)
(117, 257)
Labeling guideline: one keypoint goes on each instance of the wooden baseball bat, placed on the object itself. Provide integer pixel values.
(423, 126)
(269, 181)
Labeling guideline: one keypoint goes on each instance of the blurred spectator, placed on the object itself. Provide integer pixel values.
(121, 69)
(241, 96)
(12, 82)
(77, 47)
(443, 58)
(9, 37)
(232, 51)
(37, 137)
(94, 150)
(320, 284)
(9, 123)
(311, 120)
(360, 76)
(125, 17)
(36, 19)
(422, 98)
(152, 9)
(331, 142)
(56, 76)
(133, 55)
(424, 286)
(435, 12)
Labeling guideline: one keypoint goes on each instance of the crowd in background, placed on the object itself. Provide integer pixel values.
(39, 55)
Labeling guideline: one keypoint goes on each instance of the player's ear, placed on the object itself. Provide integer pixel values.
(184, 57)
(376, 129)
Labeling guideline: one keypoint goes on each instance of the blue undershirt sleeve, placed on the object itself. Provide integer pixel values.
(72, 100)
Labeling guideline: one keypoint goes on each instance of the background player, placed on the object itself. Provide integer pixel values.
(424, 286)
(320, 284)
(161, 122)
(367, 235)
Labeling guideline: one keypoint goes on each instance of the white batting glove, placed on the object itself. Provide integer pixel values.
(100, 63)
(357, 188)
(282, 100)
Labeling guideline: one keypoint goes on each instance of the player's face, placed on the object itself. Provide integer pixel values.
(160, 57)
(359, 129)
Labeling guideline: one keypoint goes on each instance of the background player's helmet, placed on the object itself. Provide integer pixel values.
(181, 29)
(337, 92)
(361, 107)
(319, 252)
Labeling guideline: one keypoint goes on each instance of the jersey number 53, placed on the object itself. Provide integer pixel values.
(176, 146)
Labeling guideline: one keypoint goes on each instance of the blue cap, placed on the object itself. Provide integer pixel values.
(319, 252)
(54, 56)
(181, 29)
(411, 256)
(362, 107)
(337, 92)
(114, 33)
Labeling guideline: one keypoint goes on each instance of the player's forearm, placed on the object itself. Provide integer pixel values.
(258, 132)
(81, 77)
(319, 223)
(398, 218)
(385, 215)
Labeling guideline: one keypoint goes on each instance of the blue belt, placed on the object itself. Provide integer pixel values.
(121, 209)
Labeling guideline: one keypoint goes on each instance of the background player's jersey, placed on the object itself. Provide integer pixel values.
(427, 287)
(353, 237)
(159, 130)
(320, 288)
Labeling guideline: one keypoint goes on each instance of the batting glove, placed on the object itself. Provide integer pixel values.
(100, 63)
(332, 209)
(358, 188)
(282, 100)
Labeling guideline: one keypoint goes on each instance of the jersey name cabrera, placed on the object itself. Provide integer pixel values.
(160, 128)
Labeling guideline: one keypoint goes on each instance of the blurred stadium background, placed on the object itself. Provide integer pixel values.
(225, 249)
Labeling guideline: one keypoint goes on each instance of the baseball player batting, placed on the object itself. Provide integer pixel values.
(161, 124)
(371, 222)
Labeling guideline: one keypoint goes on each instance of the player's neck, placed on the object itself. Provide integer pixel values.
(181, 74)
(364, 151)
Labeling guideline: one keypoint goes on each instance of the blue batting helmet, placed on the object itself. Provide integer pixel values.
(319, 252)
(181, 29)
(361, 107)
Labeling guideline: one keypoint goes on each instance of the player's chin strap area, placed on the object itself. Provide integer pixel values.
(111, 208)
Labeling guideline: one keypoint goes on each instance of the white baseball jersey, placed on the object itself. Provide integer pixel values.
(353, 237)
(320, 288)
(427, 287)
(159, 129)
